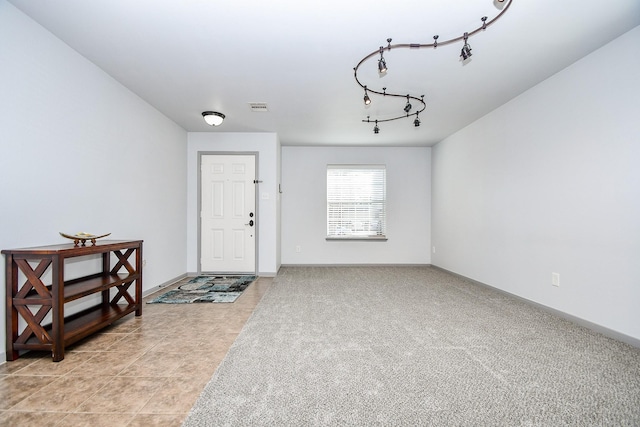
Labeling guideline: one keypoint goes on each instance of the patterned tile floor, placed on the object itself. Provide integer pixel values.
(141, 371)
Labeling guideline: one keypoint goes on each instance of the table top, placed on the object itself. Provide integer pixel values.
(71, 249)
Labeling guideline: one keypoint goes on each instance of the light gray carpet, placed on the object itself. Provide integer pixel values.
(414, 346)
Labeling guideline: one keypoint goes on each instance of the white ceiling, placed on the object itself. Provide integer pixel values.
(188, 56)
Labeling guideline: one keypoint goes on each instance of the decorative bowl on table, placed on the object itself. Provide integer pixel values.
(82, 237)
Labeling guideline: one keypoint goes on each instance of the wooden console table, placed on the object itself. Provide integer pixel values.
(32, 300)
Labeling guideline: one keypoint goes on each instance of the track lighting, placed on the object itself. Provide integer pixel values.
(213, 118)
(465, 54)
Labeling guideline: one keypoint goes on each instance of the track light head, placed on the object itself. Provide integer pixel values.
(376, 129)
(382, 64)
(367, 100)
(499, 4)
(407, 107)
(465, 53)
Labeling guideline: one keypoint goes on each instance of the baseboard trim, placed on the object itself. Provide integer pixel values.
(162, 285)
(619, 336)
(267, 274)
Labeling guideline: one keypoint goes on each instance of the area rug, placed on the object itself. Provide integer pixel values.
(206, 289)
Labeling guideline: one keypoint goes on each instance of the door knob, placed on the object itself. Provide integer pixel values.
(250, 223)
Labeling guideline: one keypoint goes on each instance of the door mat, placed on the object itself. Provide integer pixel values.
(206, 289)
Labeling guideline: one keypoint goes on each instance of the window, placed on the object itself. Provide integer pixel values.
(356, 202)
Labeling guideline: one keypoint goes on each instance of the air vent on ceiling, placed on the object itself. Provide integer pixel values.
(258, 106)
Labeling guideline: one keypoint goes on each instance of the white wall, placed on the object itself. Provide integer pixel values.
(550, 183)
(267, 146)
(304, 206)
(79, 152)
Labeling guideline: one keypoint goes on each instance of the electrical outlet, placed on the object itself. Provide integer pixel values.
(555, 279)
(434, 249)
(298, 249)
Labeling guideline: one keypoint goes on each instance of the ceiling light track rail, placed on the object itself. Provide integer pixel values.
(420, 100)
(465, 54)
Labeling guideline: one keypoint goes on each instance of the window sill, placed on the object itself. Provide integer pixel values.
(363, 238)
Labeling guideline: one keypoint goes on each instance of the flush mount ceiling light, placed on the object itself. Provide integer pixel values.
(213, 118)
(465, 56)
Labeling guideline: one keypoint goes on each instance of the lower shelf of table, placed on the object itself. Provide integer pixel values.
(81, 325)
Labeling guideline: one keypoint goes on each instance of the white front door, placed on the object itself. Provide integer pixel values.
(228, 217)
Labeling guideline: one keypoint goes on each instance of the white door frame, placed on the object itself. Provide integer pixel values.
(257, 181)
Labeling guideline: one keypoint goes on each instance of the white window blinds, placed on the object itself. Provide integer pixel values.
(356, 201)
